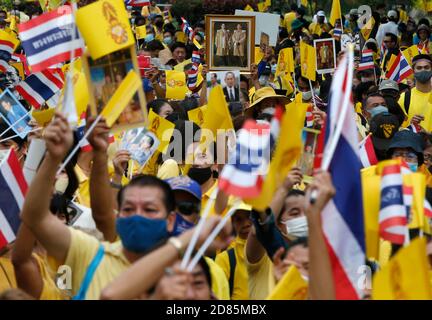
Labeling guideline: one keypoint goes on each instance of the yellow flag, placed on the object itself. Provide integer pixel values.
(48, 5)
(176, 87)
(121, 97)
(217, 115)
(197, 44)
(113, 30)
(81, 94)
(181, 66)
(405, 276)
(162, 128)
(248, 8)
(367, 29)
(335, 12)
(285, 62)
(416, 181)
(308, 61)
(410, 53)
(292, 286)
(261, 6)
(43, 117)
(288, 150)
(141, 32)
(9, 37)
(304, 3)
(371, 188)
(197, 115)
(258, 55)
(181, 37)
(19, 66)
(268, 3)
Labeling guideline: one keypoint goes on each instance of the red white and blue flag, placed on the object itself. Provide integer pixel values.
(367, 152)
(337, 33)
(309, 117)
(187, 29)
(400, 69)
(49, 38)
(342, 218)
(366, 61)
(80, 130)
(137, 3)
(6, 49)
(39, 87)
(13, 188)
(21, 58)
(192, 77)
(393, 212)
(196, 57)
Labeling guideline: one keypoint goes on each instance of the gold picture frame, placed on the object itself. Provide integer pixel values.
(230, 42)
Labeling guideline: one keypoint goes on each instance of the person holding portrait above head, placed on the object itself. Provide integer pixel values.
(222, 44)
(238, 41)
(231, 91)
(13, 113)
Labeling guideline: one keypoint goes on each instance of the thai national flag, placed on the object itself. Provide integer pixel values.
(192, 77)
(39, 87)
(367, 61)
(400, 69)
(342, 218)
(13, 188)
(196, 57)
(337, 33)
(242, 176)
(414, 128)
(6, 49)
(5, 66)
(21, 58)
(393, 213)
(187, 29)
(367, 152)
(137, 3)
(49, 38)
(309, 117)
(84, 143)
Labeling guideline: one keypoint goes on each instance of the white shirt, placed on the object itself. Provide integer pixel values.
(389, 27)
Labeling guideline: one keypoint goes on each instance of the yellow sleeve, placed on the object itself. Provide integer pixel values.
(223, 262)
(220, 286)
(49, 290)
(82, 250)
(169, 169)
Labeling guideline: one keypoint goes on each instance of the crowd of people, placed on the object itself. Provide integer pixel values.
(107, 229)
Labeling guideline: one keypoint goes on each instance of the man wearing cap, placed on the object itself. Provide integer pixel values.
(320, 26)
(409, 146)
(373, 104)
(417, 102)
(382, 128)
(390, 91)
(389, 27)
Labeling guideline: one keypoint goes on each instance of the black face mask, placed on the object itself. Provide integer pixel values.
(200, 175)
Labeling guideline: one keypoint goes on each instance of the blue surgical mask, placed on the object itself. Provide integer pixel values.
(149, 37)
(378, 110)
(168, 40)
(139, 234)
(307, 95)
(413, 166)
(273, 68)
(181, 225)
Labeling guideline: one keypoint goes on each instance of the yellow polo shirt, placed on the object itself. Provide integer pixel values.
(240, 285)
(83, 192)
(7, 275)
(261, 278)
(420, 104)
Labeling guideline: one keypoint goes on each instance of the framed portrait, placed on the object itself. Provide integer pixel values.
(141, 144)
(264, 41)
(230, 42)
(230, 81)
(104, 76)
(325, 55)
(14, 114)
(306, 161)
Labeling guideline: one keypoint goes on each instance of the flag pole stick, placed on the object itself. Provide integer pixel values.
(75, 150)
(14, 124)
(198, 229)
(18, 135)
(213, 235)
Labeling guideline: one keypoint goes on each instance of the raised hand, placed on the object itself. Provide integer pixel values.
(58, 137)
(98, 138)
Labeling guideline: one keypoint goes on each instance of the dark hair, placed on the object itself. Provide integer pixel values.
(424, 21)
(154, 45)
(204, 265)
(372, 94)
(302, 241)
(283, 33)
(361, 89)
(291, 193)
(140, 18)
(393, 37)
(145, 180)
(10, 133)
(178, 45)
(156, 105)
(243, 78)
(171, 31)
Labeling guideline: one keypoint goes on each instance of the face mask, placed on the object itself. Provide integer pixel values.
(168, 40)
(263, 80)
(139, 234)
(423, 76)
(377, 110)
(273, 68)
(181, 225)
(200, 175)
(413, 166)
(317, 91)
(297, 227)
(307, 96)
(61, 184)
(149, 37)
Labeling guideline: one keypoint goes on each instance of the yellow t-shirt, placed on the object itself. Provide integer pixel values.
(316, 28)
(261, 278)
(7, 274)
(240, 285)
(220, 286)
(83, 192)
(81, 252)
(206, 196)
(49, 290)
(169, 169)
(145, 12)
(288, 19)
(420, 104)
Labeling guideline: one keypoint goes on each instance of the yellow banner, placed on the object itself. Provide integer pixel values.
(162, 128)
(141, 32)
(176, 87)
(113, 30)
(285, 62)
(43, 117)
(197, 115)
(308, 61)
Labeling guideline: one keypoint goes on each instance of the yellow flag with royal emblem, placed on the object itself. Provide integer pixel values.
(113, 30)
(285, 62)
(410, 53)
(176, 87)
(162, 128)
(197, 115)
(292, 286)
(405, 276)
(367, 28)
(308, 61)
(140, 32)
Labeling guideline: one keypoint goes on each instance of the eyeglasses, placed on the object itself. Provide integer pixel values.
(427, 157)
(408, 156)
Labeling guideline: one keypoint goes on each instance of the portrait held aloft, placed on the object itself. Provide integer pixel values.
(231, 42)
(325, 55)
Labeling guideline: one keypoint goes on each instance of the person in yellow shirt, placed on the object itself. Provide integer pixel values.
(232, 260)
(151, 9)
(320, 26)
(290, 17)
(417, 103)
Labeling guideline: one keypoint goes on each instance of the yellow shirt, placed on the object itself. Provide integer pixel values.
(316, 28)
(49, 290)
(240, 285)
(169, 169)
(261, 278)
(220, 286)
(81, 252)
(83, 192)
(145, 12)
(208, 195)
(288, 19)
(420, 104)
(7, 274)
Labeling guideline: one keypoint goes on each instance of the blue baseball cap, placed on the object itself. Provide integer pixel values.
(184, 183)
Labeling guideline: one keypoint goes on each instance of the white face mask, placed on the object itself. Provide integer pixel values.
(307, 96)
(61, 184)
(297, 227)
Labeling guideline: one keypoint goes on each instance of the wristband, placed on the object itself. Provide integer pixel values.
(177, 244)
